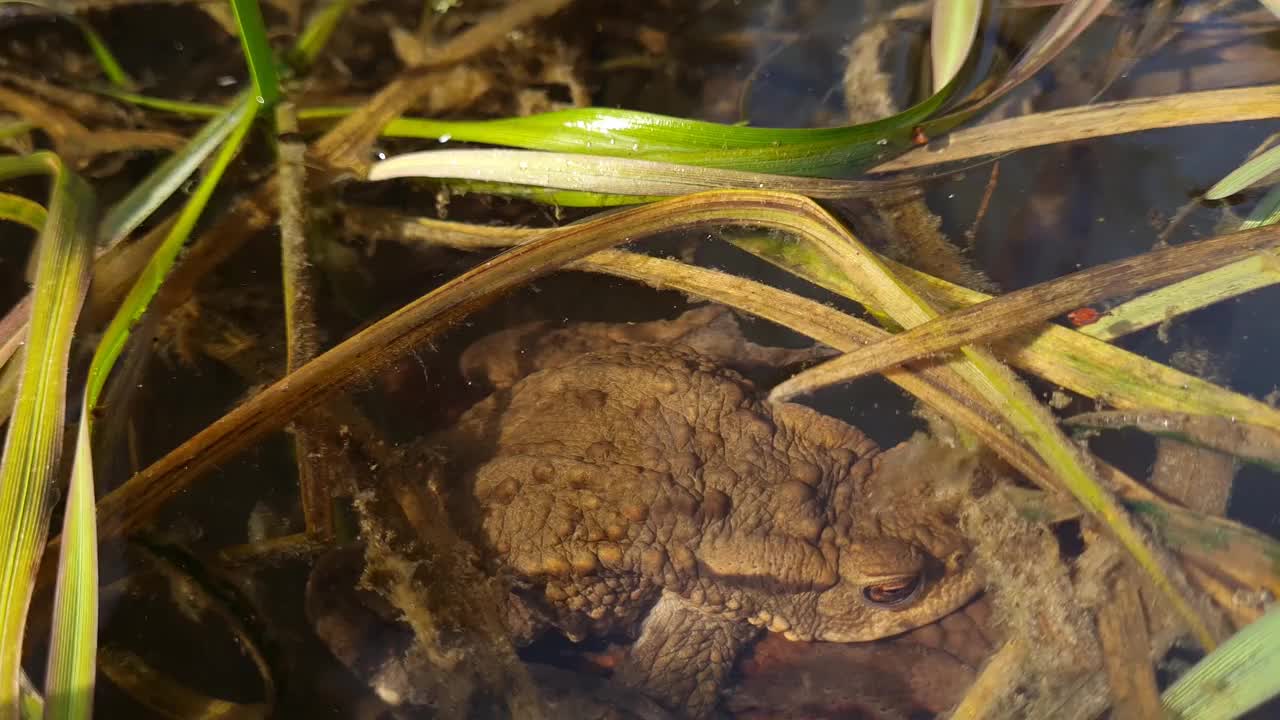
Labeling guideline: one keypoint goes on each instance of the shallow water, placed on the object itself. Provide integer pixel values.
(1053, 210)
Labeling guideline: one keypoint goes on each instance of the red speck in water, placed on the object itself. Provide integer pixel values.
(918, 137)
(1083, 316)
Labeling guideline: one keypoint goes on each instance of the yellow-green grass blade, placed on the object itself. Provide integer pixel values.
(177, 107)
(257, 51)
(1207, 288)
(33, 442)
(164, 181)
(951, 35)
(30, 703)
(18, 209)
(73, 639)
(315, 35)
(1234, 679)
(1059, 355)
(1246, 175)
(1266, 212)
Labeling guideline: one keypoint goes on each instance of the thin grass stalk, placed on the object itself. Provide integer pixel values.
(257, 51)
(301, 341)
(111, 67)
(33, 442)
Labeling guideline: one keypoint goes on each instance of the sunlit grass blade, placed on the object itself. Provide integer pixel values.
(165, 180)
(257, 51)
(629, 179)
(1246, 175)
(1234, 679)
(646, 136)
(33, 443)
(951, 36)
(18, 209)
(73, 640)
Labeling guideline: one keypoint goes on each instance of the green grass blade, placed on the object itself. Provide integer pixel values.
(144, 288)
(954, 27)
(178, 107)
(257, 51)
(1234, 679)
(1246, 175)
(16, 208)
(73, 641)
(106, 60)
(127, 214)
(33, 443)
(645, 136)
(317, 32)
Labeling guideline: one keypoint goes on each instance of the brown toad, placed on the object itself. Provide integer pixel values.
(621, 481)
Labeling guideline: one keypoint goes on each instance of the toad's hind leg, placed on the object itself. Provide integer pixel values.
(683, 655)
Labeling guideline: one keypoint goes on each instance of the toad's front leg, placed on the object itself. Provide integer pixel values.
(683, 655)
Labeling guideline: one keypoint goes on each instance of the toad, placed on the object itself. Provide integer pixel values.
(624, 480)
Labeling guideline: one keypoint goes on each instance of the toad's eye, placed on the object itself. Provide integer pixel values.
(893, 593)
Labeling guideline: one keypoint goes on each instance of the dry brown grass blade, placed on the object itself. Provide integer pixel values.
(1008, 313)
(75, 143)
(1092, 121)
